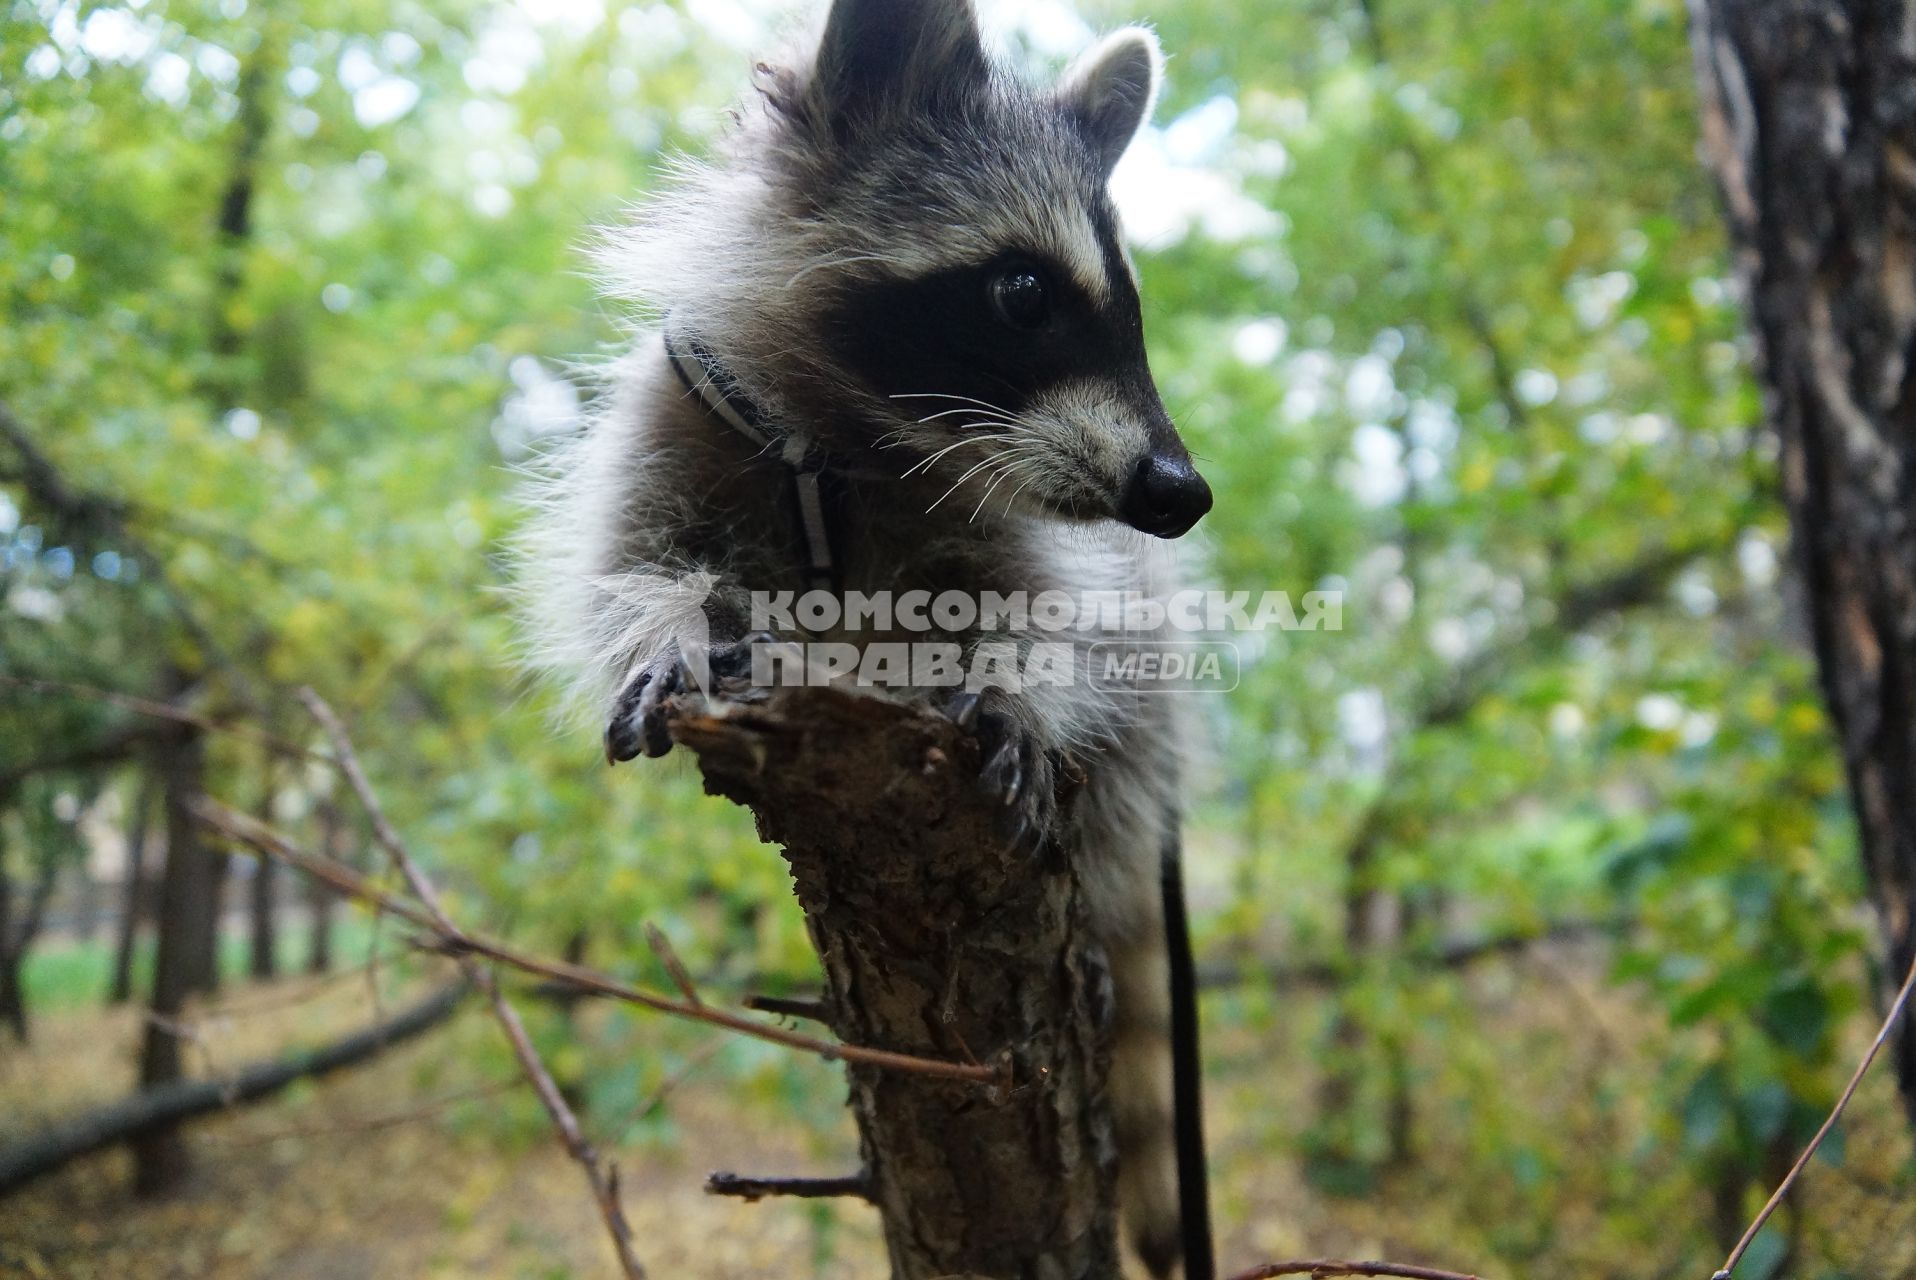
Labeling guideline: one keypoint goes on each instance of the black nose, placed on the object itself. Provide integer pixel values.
(1165, 498)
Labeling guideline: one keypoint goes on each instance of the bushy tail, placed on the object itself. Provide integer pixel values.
(1155, 1095)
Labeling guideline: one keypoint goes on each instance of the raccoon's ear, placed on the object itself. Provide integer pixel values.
(881, 57)
(1110, 90)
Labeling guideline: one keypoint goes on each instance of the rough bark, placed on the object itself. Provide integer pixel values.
(263, 960)
(263, 897)
(133, 903)
(210, 923)
(13, 1006)
(163, 1109)
(19, 926)
(321, 901)
(13, 1001)
(159, 1154)
(227, 382)
(936, 940)
(1809, 125)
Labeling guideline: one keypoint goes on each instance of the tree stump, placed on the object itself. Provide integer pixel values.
(939, 941)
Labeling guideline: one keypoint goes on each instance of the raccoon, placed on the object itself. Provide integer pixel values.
(900, 348)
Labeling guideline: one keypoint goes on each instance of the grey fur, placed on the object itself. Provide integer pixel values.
(862, 165)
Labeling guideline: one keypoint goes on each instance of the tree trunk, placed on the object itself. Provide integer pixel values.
(210, 924)
(13, 1007)
(20, 921)
(1341, 1158)
(938, 941)
(263, 901)
(1809, 123)
(13, 999)
(320, 900)
(133, 903)
(264, 958)
(159, 1155)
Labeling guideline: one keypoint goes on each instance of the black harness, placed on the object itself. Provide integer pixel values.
(805, 463)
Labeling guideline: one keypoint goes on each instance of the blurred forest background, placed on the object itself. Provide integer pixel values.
(1529, 900)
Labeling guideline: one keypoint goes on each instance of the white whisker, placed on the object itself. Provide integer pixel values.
(940, 395)
(992, 415)
(1013, 499)
(838, 260)
(926, 464)
(961, 479)
(1001, 474)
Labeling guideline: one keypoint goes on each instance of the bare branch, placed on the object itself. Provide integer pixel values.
(602, 1175)
(1896, 1009)
(856, 1186)
(168, 712)
(677, 1078)
(248, 832)
(368, 1124)
(807, 1009)
(155, 1108)
(82, 510)
(1326, 1267)
(674, 967)
(114, 749)
(1283, 974)
(286, 996)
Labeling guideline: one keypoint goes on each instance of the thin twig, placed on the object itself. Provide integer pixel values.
(90, 512)
(247, 831)
(370, 1124)
(602, 1175)
(166, 711)
(808, 1008)
(693, 1064)
(674, 967)
(855, 1186)
(1326, 1267)
(1896, 1009)
(190, 1031)
(310, 988)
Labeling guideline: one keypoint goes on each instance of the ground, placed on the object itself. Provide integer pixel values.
(428, 1162)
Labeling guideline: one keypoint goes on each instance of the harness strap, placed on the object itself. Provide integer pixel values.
(805, 465)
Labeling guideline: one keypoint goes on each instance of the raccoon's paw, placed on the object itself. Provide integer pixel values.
(731, 667)
(637, 724)
(1017, 774)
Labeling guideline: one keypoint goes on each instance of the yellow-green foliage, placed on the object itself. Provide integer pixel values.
(1442, 305)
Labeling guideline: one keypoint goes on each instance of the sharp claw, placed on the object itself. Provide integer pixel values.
(963, 710)
(1000, 776)
(1010, 775)
(619, 746)
(655, 737)
(621, 737)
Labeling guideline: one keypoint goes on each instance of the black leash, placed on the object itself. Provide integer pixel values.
(1187, 1092)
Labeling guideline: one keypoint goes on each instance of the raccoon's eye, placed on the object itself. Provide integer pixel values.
(1019, 295)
